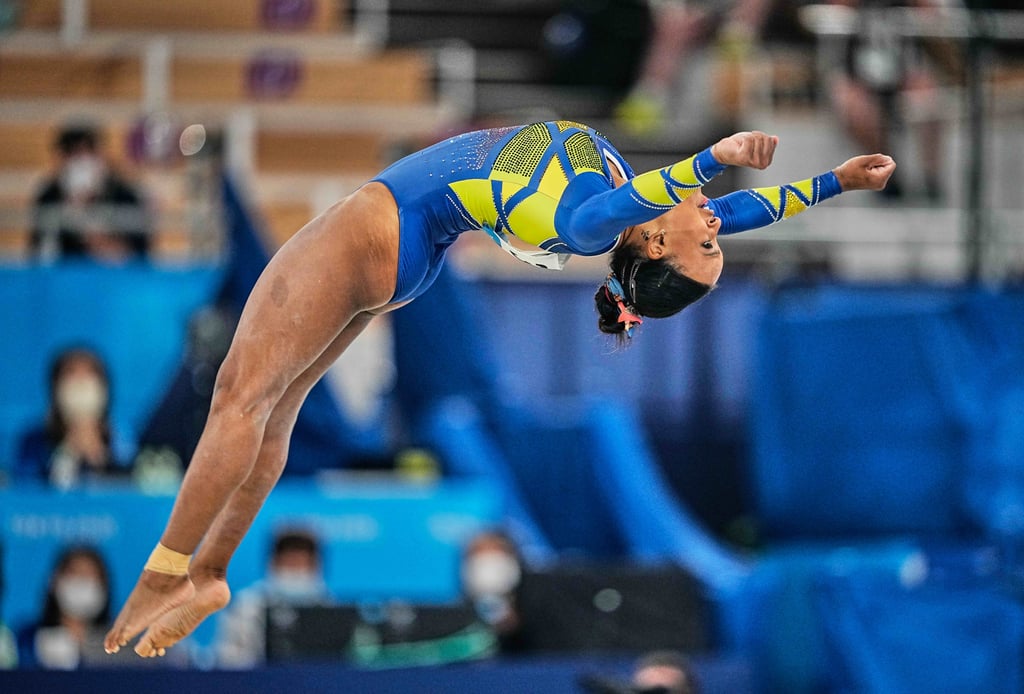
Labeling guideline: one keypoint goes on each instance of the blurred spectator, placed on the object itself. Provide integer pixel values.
(86, 209)
(8, 645)
(491, 571)
(481, 624)
(8, 649)
(295, 579)
(885, 77)
(664, 672)
(658, 672)
(75, 444)
(680, 28)
(75, 614)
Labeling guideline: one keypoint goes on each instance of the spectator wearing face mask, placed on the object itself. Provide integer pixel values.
(75, 614)
(294, 578)
(491, 572)
(75, 444)
(86, 210)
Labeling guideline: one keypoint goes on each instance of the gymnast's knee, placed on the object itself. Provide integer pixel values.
(246, 394)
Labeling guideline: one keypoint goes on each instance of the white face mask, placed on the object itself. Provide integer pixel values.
(83, 175)
(81, 398)
(295, 585)
(490, 573)
(80, 597)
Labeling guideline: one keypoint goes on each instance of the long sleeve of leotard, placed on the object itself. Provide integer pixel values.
(592, 213)
(759, 207)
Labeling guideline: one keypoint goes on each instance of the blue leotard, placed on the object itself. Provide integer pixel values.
(550, 185)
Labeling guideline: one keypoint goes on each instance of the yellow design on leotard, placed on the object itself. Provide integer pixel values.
(475, 196)
(782, 202)
(524, 152)
(554, 180)
(774, 197)
(665, 187)
(794, 204)
(583, 156)
(564, 125)
(533, 218)
(805, 187)
(516, 167)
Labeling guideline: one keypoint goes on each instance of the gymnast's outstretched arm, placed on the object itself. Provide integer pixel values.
(758, 207)
(592, 213)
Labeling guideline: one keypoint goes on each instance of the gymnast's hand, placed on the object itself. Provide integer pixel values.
(751, 149)
(866, 172)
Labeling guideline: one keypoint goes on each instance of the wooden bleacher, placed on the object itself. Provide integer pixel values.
(97, 71)
(328, 128)
(182, 15)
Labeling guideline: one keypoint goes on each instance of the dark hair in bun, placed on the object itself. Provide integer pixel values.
(652, 287)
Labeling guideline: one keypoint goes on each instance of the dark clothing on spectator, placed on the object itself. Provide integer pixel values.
(117, 208)
(35, 462)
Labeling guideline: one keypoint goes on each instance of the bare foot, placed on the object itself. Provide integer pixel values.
(211, 595)
(154, 595)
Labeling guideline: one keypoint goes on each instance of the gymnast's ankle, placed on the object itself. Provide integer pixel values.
(203, 573)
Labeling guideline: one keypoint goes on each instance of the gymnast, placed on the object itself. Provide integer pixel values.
(558, 186)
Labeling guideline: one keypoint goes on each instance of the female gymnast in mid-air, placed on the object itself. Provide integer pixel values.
(559, 186)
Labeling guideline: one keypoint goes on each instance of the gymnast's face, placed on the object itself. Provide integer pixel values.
(686, 236)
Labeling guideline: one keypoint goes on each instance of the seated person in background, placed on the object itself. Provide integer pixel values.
(75, 614)
(8, 645)
(295, 578)
(658, 672)
(86, 210)
(75, 443)
(491, 572)
(664, 672)
(8, 649)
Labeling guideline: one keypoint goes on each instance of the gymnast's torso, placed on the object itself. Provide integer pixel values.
(505, 181)
(551, 185)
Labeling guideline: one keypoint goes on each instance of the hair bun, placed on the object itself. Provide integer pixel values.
(608, 313)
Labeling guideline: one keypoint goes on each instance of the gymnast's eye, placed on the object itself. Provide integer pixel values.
(707, 244)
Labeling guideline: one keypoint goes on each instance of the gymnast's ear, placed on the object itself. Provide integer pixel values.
(654, 246)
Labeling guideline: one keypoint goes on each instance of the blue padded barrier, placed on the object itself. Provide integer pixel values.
(455, 429)
(885, 637)
(653, 522)
(789, 647)
(875, 405)
(658, 527)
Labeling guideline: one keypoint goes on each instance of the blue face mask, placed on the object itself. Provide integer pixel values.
(295, 586)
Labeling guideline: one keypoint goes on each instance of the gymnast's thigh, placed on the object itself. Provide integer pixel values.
(340, 264)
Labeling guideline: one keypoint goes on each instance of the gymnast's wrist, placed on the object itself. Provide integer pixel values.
(830, 184)
(706, 165)
(844, 185)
